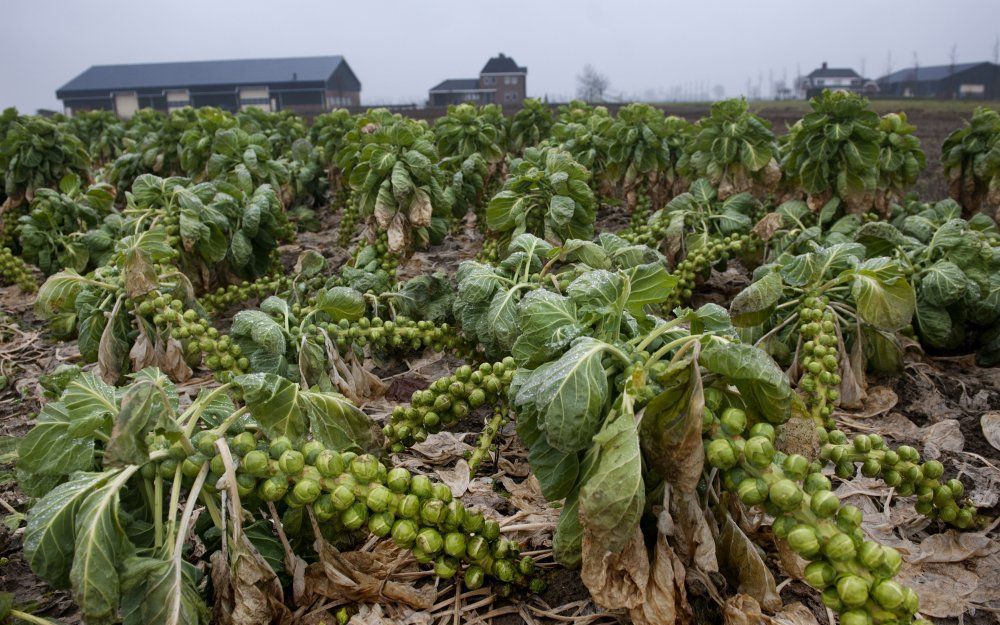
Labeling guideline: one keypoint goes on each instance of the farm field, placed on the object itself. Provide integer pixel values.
(718, 363)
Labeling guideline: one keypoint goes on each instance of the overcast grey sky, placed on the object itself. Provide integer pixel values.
(399, 49)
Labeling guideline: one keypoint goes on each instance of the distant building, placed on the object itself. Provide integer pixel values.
(306, 85)
(501, 81)
(834, 78)
(980, 81)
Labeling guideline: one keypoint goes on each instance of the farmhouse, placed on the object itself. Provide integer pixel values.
(958, 81)
(842, 78)
(306, 85)
(501, 81)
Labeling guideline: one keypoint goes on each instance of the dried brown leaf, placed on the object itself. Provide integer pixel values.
(793, 614)
(942, 436)
(666, 596)
(767, 226)
(798, 436)
(173, 363)
(247, 590)
(741, 562)
(880, 400)
(954, 546)
(990, 423)
(616, 580)
(944, 588)
(457, 478)
(691, 534)
(742, 610)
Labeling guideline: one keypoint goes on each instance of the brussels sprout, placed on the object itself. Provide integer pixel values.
(378, 499)
(956, 487)
(421, 486)
(398, 480)
(477, 548)
(243, 443)
(824, 503)
(831, 599)
(933, 469)
(752, 491)
(446, 567)
(852, 590)
(819, 575)
(342, 497)
(733, 421)
(311, 451)
(329, 463)
(888, 594)
(204, 442)
(291, 462)
(763, 429)
(849, 516)
(355, 516)
(306, 491)
(783, 525)
(504, 570)
(477, 397)
(216, 465)
(816, 482)
(839, 548)
(871, 468)
(856, 617)
(380, 524)
(871, 555)
(432, 512)
(279, 446)
(713, 398)
(804, 541)
(891, 562)
(273, 488)
(404, 532)
(255, 463)
(911, 602)
(441, 491)
(429, 540)
(526, 565)
(537, 585)
(455, 544)
(323, 508)
(409, 506)
(758, 452)
(491, 529)
(472, 522)
(785, 494)
(365, 468)
(795, 466)
(474, 577)
(721, 454)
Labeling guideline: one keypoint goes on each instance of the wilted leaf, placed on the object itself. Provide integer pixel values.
(666, 595)
(990, 422)
(741, 561)
(616, 580)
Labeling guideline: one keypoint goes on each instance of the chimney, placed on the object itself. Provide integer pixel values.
(824, 64)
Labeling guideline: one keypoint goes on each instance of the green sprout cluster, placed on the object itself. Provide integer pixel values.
(13, 270)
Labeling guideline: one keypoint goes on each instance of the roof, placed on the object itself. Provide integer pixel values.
(929, 73)
(457, 84)
(833, 72)
(502, 64)
(200, 73)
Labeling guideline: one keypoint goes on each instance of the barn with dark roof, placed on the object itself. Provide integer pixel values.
(834, 78)
(501, 81)
(980, 81)
(306, 85)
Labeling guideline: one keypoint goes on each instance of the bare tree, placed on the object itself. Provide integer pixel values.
(591, 84)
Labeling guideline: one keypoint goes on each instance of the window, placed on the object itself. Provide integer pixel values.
(509, 97)
(510, 80)
(489, 80)
(972, 89)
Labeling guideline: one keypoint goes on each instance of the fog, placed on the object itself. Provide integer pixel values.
(399, 49)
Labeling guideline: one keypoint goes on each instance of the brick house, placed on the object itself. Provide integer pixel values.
(306, 85)
(501, 81)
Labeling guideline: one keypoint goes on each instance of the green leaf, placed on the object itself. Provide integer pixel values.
(274, 403)
(160, 591)
(879, 238)
(943, 284)
(761, 382)
(547, 323)
(51, 448)
(99, 546)
(48, 537)
(561, 209)
(648, 284)
(883, 297)
(754, 305)
(612, 499)
(570, 397)
(145, 407)
(339, 424)
(341, 302)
